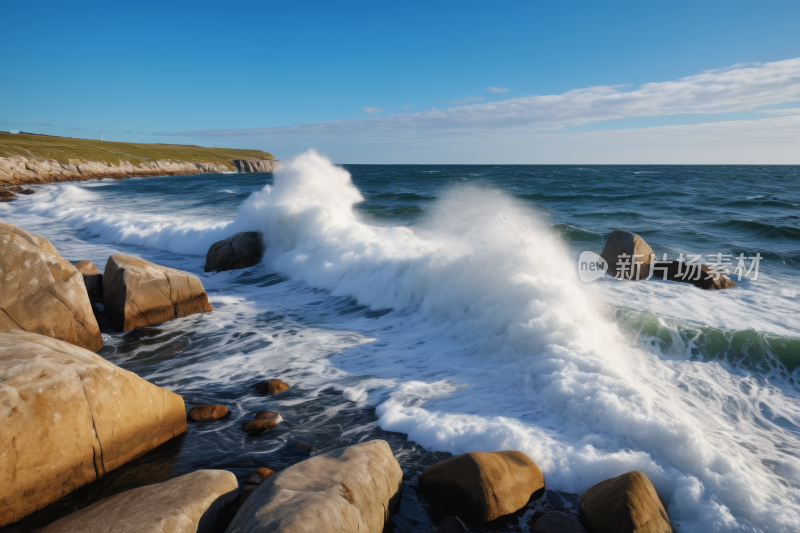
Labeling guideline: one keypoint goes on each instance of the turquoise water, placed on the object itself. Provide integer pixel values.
(439, 308)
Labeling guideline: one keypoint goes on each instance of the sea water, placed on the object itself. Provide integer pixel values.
(440, 308)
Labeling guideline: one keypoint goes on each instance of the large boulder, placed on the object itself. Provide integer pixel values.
(93, 280)
(239, 251)
(622, 251)
(701, 276)
(624, 504)
(482, 486)
(196, 502)
(42, 292)
(138, 293)
(346, 490)
(68, 417)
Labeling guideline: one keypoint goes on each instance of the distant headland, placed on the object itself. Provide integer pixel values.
(27, 158)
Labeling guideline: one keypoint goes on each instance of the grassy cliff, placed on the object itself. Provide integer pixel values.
(64, 149)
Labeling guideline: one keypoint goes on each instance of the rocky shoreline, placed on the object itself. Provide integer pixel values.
(20, 170)
(70, 417)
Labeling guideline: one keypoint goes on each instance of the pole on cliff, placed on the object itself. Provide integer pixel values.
(101, 134)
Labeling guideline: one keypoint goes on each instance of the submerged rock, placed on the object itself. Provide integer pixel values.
(197, 502)
(624, 243)
(701, 276)
(138, 293)
(204, 413)
(273, 386)
(42, 292)
(93, 280)
(557, 522)
(261, 425)
(624, 504)
(345, 490)
(482, 486)
(239, 251)
(69, 417)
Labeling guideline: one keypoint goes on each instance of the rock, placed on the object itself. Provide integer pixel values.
(255, 165)
(196, 502)
(5, 193)
(688, 273)
(346, 490)
(204, 413)
(268, 415)
(69, 417)
(93, 280)
(260, 475)
(43, 293)
(305, 447)
(239, 251)
(482, 486)
(557, 522)
(624, 504)
(624, 242)
(451, 524)
(260, 426)
(273, 386)
(138, 293)
(26, 191)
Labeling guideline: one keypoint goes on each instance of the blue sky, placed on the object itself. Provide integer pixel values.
(511, 82)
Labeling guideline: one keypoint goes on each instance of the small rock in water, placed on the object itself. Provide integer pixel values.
(635, 250)
(273, 386)
(707, 278)
(26, 191)
(451, 524)
(305, 447)
(557, 522)
(239, 251)
(260, 426)
(268, 415)
(204, 413)
(247, 487)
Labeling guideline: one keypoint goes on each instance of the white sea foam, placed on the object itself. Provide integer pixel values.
(495, 344)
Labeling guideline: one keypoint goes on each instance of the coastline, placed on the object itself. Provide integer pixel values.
(20, 170)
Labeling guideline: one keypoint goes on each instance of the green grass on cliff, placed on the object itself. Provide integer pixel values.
(62, 149)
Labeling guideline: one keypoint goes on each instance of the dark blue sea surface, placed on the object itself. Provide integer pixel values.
(438, 307)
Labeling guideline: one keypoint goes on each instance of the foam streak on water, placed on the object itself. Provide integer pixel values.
(493, 343)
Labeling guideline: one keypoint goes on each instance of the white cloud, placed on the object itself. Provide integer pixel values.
(791, 111)
(373, 110)
(713, 91)
(496, 90)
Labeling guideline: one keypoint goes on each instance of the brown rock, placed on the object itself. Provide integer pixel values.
(260, 475)
(5, 193)
(204, 413)
(267, 415)
(624, 242)
(138, 293)
(701, 276)
(624, 504)
(68, 417)
(261, 425)
(27, 191)
(305, 447)
(482, 486)
(196, 502)
(342, 491)
(557, 522)
(273, 386)
(93, 280)
(43, 293)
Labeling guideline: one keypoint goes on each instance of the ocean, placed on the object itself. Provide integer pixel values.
(439, 307)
